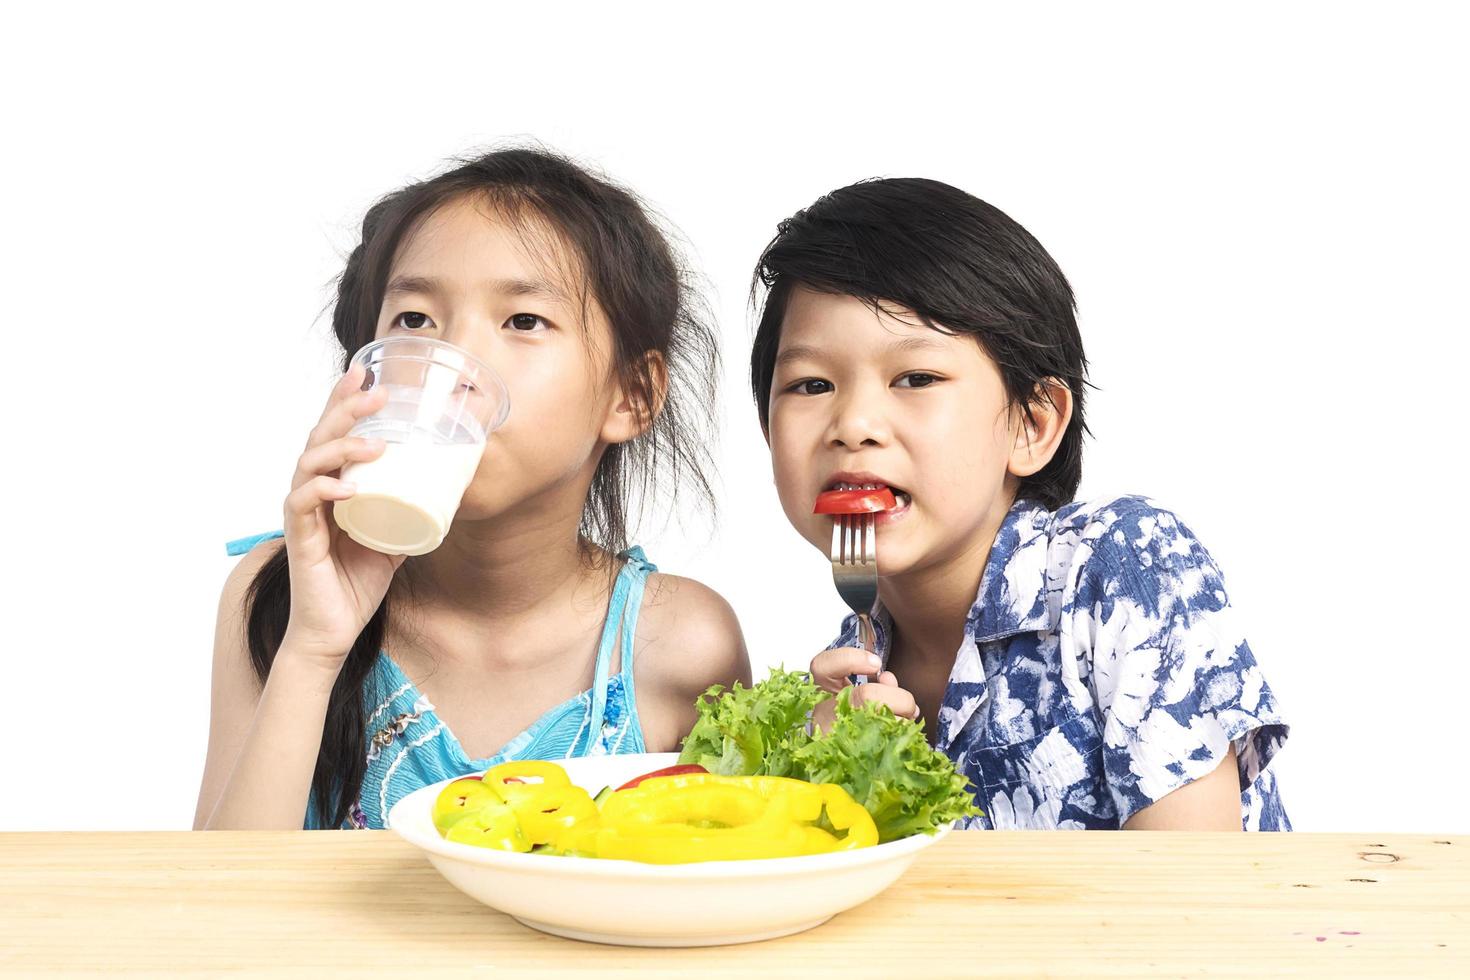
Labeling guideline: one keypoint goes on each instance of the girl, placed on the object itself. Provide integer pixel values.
(1079, 662)
(345, 679)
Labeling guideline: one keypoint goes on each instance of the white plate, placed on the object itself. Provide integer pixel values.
(634, 904)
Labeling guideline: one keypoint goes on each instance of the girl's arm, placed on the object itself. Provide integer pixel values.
(262, 742)
(688, 639)
(1209, 803)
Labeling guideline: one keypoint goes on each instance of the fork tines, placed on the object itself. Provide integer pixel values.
(854, 540)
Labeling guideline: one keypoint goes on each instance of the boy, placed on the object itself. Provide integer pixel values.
(1079, 662)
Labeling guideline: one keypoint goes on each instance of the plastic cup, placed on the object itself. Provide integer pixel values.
(443, 403)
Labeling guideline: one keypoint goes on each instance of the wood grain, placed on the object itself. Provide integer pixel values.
(1014, 904)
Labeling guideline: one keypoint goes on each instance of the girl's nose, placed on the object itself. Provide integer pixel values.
(461, 334)
(477, 337)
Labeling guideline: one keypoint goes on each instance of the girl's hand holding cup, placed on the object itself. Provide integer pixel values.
(406, 429)
(336, 583)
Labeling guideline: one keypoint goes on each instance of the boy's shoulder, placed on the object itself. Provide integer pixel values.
(1128, 529)
(1132, 520)
(1128, 546)
(1104, 515)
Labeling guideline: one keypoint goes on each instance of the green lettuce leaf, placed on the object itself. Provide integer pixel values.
(884, 762)
(747, 731)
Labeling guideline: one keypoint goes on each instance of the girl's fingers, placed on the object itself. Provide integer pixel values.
(330, 457)
(889, 678)
(830, 668)
(355, 554)
(899, 701)
(346, 385)
(303, 503)
(343, 413)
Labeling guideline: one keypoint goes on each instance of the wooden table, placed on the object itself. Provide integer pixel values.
(362, 904)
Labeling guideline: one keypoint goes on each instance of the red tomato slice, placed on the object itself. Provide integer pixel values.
(670, 771)
(855, 501)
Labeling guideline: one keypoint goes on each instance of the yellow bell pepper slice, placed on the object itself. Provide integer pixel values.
(845, 813)
(676, 819)
(499, 778)
(460, 799)
(548, 813)
(703, 817)
(494, 825)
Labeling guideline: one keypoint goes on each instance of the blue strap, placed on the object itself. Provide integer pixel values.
(241, 546)
(629, 584)
(630, 623)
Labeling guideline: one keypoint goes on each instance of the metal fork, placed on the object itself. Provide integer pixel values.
(855, 570)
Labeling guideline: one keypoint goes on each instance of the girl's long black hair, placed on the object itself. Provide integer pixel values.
(636, 278)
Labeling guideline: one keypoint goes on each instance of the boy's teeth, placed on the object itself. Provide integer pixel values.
(903, 498)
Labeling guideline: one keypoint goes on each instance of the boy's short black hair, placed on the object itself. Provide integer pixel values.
(961, 266)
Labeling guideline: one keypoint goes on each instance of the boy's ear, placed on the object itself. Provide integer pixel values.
(1038, 436)
(637, 402)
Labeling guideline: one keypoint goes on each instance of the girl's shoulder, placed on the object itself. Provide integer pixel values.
(687, 627)
(253, 554)
(688, 639)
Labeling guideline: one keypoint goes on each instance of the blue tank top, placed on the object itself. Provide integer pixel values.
(409, 747)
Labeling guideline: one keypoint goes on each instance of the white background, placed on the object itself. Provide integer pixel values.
(1263, 211)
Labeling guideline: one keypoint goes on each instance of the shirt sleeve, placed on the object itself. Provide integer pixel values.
(847, 635)
(1175, 682)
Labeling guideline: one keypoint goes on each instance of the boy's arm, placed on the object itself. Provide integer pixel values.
(1209, 803)
(1179, 697)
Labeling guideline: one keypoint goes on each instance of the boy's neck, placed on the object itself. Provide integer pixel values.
(929, 606)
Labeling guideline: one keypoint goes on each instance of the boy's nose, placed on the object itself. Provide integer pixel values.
(857, 422)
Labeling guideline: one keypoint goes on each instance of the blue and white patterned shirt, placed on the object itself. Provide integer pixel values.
(1102, 668)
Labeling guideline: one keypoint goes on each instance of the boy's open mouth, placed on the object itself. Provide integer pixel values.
(901, 495)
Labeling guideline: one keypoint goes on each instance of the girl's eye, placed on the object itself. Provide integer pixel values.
(412, 321)
(918, 379)
(811, 386)
(527, 323)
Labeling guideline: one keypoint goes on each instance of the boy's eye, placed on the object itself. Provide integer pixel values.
(412, 321)
(917, 379)
(811, 386)
(527, 323)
